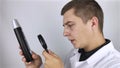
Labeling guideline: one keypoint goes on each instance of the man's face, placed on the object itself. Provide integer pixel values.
(76, 30)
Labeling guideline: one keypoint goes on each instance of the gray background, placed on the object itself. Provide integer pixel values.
(43, 17)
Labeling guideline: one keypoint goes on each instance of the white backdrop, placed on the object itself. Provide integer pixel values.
(43, 17)
(0, 34)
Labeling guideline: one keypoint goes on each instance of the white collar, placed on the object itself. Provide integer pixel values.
(100, 54)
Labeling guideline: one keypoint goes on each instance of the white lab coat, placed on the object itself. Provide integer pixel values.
(106, 57)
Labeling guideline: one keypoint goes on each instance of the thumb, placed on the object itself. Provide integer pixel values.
(46, 55)
(52, 53)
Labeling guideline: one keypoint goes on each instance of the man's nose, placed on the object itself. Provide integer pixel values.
(66, 32)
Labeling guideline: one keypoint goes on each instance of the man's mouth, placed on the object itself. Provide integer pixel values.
(72, 41)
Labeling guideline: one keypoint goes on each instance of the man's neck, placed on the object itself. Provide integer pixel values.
(96, 42)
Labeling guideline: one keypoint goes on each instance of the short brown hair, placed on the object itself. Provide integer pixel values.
(85, 9)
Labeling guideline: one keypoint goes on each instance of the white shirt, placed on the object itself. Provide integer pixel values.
(106, 57)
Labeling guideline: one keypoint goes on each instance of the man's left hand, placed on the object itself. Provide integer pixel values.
(52, 60)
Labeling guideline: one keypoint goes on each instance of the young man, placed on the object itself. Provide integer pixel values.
(83, 26)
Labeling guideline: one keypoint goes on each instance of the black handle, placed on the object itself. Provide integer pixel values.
(23, 44)
(43, 43)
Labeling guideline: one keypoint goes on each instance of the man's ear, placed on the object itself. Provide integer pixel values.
(94, 22)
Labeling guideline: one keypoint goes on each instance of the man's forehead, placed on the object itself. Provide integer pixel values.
(68, 16)
(69, 12)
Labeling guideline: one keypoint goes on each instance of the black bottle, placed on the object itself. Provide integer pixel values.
(22, 41)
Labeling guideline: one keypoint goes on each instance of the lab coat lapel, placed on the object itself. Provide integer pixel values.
(74, 59)
(75, 63)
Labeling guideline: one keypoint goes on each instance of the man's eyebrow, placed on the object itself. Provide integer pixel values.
(66, 23)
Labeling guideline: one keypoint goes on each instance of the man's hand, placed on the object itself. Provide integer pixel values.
(36, 63)
(52, 60)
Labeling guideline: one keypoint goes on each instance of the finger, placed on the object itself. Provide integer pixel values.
(23, 59)
(35, 56)
(21, 53)
(28, 63)
(46, 55)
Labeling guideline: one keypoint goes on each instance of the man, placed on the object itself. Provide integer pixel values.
(83, 26)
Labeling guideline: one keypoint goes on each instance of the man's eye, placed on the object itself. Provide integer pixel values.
(70, 25)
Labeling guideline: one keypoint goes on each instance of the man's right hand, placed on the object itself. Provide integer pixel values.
(36, 63)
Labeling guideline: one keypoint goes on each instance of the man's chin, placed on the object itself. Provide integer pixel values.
(76, 47)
